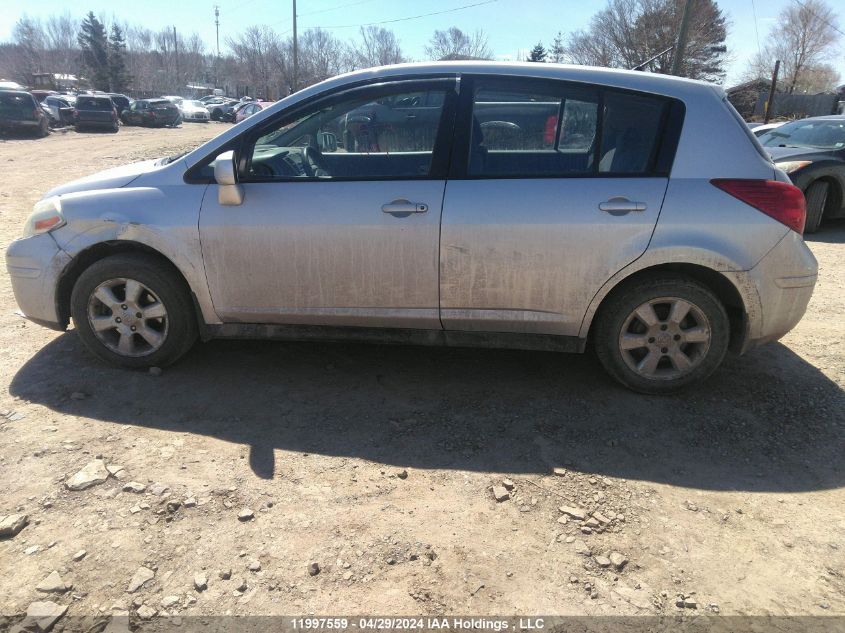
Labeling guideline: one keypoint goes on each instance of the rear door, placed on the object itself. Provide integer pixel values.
(554, 188)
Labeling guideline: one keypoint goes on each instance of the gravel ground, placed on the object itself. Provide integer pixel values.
(249, 462)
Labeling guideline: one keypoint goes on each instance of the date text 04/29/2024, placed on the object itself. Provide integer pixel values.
(417, 623)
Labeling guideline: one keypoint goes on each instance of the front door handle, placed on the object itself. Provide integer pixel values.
(621, 206)
(403, 207)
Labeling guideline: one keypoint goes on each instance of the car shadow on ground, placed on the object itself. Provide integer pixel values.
(768, 421)
(831, 232)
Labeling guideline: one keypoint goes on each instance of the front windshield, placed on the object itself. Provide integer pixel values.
(196, 104)
(814, 133)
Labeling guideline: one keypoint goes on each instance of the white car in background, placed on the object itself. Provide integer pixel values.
(759, 130)
(194, 111)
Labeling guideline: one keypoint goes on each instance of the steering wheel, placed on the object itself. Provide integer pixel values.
(314, 163)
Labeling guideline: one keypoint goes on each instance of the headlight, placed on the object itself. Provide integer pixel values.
(790, 166)
(46, 215)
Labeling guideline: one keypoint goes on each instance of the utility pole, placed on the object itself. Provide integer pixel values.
(176, 55)
(295, 53)
(772, 92)
(680, 47)
(217, 31)
(217, 26)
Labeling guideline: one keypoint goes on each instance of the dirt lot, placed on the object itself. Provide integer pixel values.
(377, 464)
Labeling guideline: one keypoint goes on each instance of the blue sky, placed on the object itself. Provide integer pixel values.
(513, 26)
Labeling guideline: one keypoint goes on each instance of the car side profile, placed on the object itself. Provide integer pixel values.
(531, 206)
(152, 113)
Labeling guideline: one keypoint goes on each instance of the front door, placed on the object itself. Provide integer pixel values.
(340, 221)
(557, 187)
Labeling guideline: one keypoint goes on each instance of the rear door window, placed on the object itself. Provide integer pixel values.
(526, 128)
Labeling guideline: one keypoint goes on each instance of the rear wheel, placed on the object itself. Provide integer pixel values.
(816, 196)
(132, 311)
(661, 334)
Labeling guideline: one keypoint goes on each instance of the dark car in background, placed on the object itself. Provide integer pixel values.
(121, 102)
(20, 112)
(812, 152)
(95, 111)
(152, 113)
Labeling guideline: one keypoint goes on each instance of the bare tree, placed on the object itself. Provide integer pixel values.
(627, 32)
(803, 39)
(455, 44)
(60, 39)
(376, 47)
(261, 54)
(323, 56)
(28, 34)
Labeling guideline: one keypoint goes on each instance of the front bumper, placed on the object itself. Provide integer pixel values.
(777, 290)
(35, 265)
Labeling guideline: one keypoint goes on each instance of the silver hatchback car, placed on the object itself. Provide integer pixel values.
(532, 206)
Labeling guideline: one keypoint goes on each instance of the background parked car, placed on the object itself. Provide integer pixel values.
(174, 99)
(759, 130)
(40, 95)
(194, 111)
(61, 109)
(20, 112)
(95, 111)
(812, 152)
(153, 113)
(248, 109)
(121, 102)
(218, 109)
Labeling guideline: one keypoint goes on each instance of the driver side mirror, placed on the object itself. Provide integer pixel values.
(229, 192)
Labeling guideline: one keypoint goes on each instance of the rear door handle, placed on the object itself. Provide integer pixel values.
(404, 207)
(620, 206)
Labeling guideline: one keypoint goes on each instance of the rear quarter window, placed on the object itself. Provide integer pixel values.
(88, 103)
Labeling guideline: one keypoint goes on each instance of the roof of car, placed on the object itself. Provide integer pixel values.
(646, 81)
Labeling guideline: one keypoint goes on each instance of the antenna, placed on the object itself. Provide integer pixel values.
(217, 26)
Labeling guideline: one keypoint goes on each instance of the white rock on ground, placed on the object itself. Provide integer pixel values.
(92, 474)
(11, 524)
(575, 513)
(41, 616)
(53, 584)
(500, 493)
(140, 578)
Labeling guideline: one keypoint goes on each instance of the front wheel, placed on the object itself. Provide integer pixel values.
(661, 334)
(816, 196)
(132, 311)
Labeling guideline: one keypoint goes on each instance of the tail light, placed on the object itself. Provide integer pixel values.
(779, 200)
(75, 113)
(35, 113)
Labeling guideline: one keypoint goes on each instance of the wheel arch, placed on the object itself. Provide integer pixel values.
(96, 252)
(724, 289)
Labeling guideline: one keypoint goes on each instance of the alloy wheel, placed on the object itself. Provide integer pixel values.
(127, 317)
(665, 338)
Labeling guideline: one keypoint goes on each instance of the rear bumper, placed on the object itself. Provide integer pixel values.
(777, 290)
(35, 265)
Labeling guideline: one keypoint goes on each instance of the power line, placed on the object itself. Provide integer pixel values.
(412, 17)
(756, 30)
(341, 6)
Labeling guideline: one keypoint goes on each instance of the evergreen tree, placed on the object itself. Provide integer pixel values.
(119, 78)
(95, 56)
(538, 53)
(558, 51)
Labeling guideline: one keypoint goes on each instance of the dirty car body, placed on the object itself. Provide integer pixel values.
(531, 206)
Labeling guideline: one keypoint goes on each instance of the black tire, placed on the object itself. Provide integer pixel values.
(619, 307)
(170, 290)
(216, 114)
(816, 196)
(44, 129)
